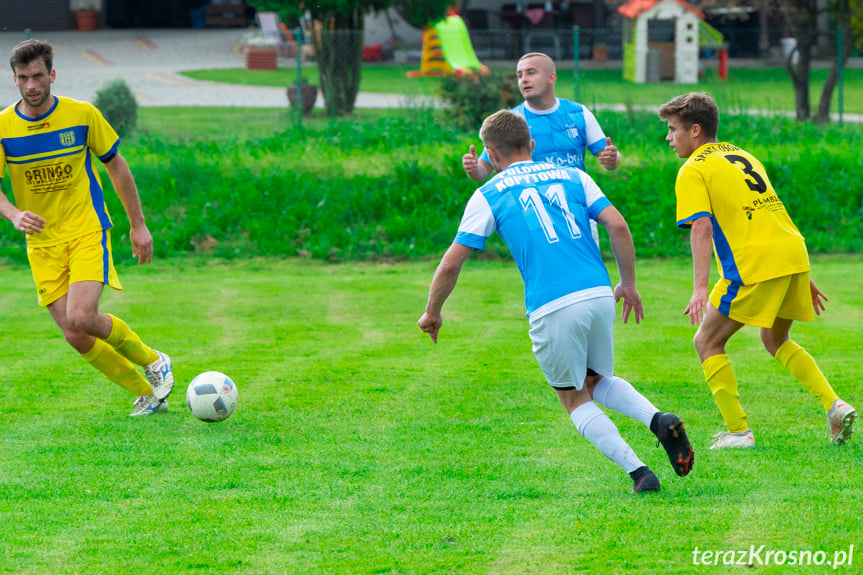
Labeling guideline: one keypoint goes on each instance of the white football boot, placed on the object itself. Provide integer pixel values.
(160, 376)
(148, 405)
(840, 422)
(725, 439)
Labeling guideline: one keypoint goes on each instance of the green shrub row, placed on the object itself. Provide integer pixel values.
(394, 187)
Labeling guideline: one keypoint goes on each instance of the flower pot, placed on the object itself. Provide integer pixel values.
(600, 53)
(88, 20)
(309, 96)
(261, 57)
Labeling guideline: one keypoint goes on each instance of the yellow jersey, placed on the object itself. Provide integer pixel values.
(50, 163)
(754, 238)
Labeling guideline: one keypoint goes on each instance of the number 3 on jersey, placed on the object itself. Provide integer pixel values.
(758, 185)
(556, 195)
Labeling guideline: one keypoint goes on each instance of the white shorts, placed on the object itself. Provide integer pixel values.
(572, 339)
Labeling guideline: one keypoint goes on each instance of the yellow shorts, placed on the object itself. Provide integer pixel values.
(787, 297)
(87, 258)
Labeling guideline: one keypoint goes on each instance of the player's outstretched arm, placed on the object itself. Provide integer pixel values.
(624, 255)
(475, 168)
(445, 278)
(701, 242)
(25, 221)
(124, 184)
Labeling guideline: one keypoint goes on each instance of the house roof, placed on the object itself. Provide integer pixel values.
(635, 8)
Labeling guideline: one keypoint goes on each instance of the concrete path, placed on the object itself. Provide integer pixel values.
(149, 62)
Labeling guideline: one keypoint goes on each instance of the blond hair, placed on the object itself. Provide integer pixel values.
(506, 132)
(693, 108)
(547, 62)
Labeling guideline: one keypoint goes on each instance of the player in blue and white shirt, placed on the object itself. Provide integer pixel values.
(542, 212)
(564, 131)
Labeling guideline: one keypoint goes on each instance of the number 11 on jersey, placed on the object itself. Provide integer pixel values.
(556, 195)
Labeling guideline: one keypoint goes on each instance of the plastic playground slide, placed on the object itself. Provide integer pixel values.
(456, 46)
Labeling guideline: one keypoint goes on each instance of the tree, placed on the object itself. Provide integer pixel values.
(337, 37)
(799, 18)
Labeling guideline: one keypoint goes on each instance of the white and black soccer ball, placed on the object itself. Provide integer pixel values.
(212, 396)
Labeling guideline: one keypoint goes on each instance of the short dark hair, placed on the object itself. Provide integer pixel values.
(28, 51)
(693, 108)
(506, 132)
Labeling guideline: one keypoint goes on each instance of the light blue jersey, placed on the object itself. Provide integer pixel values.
(563, 133)
(542, 212)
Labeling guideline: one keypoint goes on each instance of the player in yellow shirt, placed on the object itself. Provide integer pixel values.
(727, 201)
(48, 144)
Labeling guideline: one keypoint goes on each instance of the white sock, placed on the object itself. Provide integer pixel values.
(618, 394)
(595, 426)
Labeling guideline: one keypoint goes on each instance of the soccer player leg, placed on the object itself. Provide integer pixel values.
(597, 428)
(561, 341)
(128, 344)
(117, 368)
(99, 354)
(618, 394)
(796, 305)
(710, 341)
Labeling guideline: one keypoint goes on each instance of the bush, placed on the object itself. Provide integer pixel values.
(471, 97)
(117, 103)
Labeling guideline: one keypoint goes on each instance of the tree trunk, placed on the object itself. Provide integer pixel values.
(833, 76)
(339, 52)
(800, 80)
(800, 72)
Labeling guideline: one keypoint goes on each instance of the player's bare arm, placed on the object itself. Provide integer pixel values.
(24, 221)
(701, 242)
(445, 278)
(476, 169)
(124, 184)
(624, 255)
(609, 156)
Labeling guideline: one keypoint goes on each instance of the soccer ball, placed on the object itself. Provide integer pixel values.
(212, 396)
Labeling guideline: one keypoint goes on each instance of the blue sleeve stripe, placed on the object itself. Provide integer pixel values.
(597, 146)
(596, 207)
(686, 222)
(470, 240)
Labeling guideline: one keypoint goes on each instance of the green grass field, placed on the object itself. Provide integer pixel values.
(360, 447)
(761, 88)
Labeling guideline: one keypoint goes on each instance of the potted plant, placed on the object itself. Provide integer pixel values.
(600, 52)
(86, 16)
(261, 52)
(308, 95)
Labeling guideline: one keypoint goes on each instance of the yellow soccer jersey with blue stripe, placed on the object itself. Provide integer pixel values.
(50, 163)
(754, 238)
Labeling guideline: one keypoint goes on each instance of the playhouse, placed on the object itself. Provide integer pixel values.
(661, 41)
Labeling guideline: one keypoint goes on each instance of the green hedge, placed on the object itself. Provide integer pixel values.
(394, 187)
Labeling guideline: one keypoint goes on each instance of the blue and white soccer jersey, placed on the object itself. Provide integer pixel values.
(563, 134)
(542, 212)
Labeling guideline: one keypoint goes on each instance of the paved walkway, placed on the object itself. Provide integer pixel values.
(149, 61)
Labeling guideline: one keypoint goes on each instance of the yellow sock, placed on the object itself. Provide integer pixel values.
(723, 384)
(117, 368)
(802, 366)
(128, 344)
